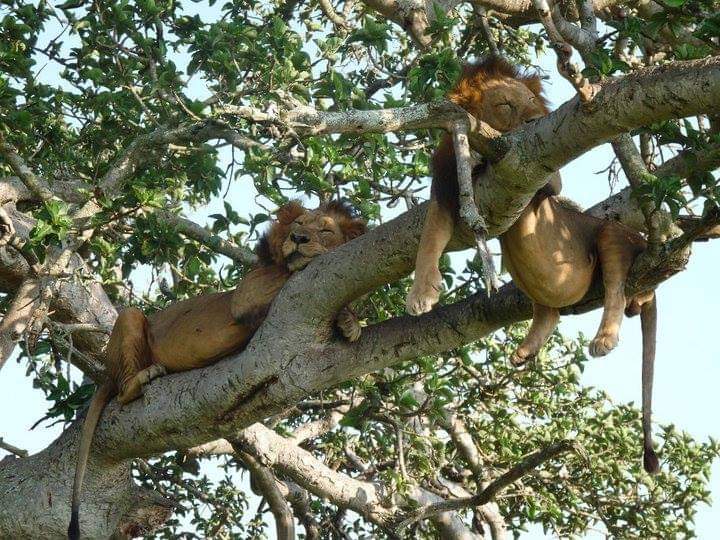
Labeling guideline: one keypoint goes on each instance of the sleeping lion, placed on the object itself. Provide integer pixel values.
(199, 331)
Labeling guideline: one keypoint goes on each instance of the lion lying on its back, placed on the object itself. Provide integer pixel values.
(197, 332)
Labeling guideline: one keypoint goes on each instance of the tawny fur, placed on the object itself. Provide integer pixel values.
(199, 331)
(554, 252)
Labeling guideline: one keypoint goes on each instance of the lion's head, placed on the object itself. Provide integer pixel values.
(498, 93)
(299, 235)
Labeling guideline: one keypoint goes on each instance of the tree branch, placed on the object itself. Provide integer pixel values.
(488, 494)
(266, 482)
(239, 254)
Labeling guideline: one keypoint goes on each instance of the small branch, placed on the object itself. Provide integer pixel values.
(79, 327)
(240, 255)
(468, 209)
(563, 50)
(700, 229)
(33, 183)
(266, 482)
(638, 175)
(340, 24)
(213, 448)
(13, 449)
(485, 30)
(300, 502)
(305, 120)
(18, 317)
(409, 15)
(518, 471)
(320, 427)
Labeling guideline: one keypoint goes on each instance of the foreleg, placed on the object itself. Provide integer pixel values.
(436, 233)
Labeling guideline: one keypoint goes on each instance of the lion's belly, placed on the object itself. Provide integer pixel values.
(550, 265)
(196, 332)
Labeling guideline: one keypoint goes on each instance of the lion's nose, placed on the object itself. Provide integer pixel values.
(299, 238)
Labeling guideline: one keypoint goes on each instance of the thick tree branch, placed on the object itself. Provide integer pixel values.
(365, 498)
(18, 317)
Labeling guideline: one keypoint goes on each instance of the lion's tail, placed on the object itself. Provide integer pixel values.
(99, 400)
(648, 322)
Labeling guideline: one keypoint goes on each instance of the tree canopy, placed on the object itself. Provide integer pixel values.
(144, 147)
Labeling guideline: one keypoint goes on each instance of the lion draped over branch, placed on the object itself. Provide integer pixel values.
(199, 331)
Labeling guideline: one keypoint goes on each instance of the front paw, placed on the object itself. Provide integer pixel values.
(603, 344)
(520, 357)
(348, 325)
(423, 295)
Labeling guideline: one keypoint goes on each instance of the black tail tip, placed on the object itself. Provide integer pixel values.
(74, 528)
(651, 463)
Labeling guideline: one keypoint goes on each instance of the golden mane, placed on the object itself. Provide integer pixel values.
(476, 77)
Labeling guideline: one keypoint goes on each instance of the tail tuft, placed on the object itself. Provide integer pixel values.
(74, 528)
(651, 463)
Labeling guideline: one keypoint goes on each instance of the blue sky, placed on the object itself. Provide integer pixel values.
(688, 361)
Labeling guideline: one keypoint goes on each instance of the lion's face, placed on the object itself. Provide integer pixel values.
(507, 104)
(311, 234)
(497, 93)
(300, 235)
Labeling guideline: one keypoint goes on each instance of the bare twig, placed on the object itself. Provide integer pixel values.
(518, 471)
(468, 209)
(13, 449)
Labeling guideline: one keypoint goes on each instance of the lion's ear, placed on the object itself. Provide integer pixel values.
(289, 212)
(352, 228)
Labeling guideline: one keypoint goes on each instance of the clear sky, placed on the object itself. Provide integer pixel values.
(688, 362)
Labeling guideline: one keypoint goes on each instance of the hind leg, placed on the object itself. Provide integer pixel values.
(616, 253)
(544, 321)
(128, 354)
(436, 233)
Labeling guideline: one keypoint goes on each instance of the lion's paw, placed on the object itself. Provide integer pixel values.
(603, 344)
(519, 358)
(423, 295)
(349, 325)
